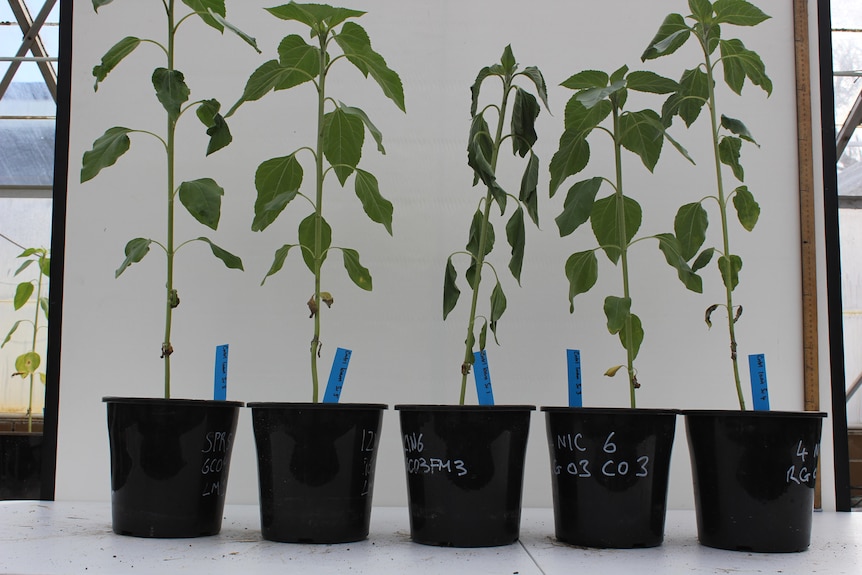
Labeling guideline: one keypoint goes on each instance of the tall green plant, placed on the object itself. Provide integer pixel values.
(337, 149)
(200, 197)
(598, 105)
(483, 150)
(697, 89)
(27, 364)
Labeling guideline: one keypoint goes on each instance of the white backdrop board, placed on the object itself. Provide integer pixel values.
(402, 350)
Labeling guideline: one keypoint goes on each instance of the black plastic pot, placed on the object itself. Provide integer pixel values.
(609, 474)
(754, 475)
(465, 472)
(316, 469)
(20, 465)
(169, 464)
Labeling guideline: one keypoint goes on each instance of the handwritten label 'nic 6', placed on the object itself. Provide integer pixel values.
(606, 464)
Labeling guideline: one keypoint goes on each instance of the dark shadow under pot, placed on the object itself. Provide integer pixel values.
(316, 469)
(169, 464)
(465, 472)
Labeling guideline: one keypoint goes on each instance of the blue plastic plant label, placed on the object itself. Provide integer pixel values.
(759, 389)
(573, 362)
(220, 380)
(337, 375)
(482, 375)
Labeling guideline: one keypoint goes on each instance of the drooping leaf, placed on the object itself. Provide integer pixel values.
(525, 110)
(135, 251)
(517, 237)
(730, 268)
(106, 150)
(343, 136)
(9, 335)
(203, 7)
(740, 63)
(480, 148)
(307, 233)
(586, 79)
(747, 208)
(473, 244)
(355, 270)
(278, 261)
(27, 364)
(217, 128)
(702, 259)
(277, 182)
(689, 227)
(228, 26)
(617, 311)
(738, 128)
(498, 307)
(645, 81)
(476, 88)
(354, 42)
(375, 133)
(45, 266)
(113, 57)
(640, 134)
(23, 266)
(571, 157)
(728, 152)
(528, 193)
(672, 34)
(230, 261)
(635, 328)
(483, 334)
(378, 208)
(45, 305)
(612, 371)
(738, 13)
(267, 76)
(450, 289)
(23, 291)
(99, 3)
(535, 75)
(171, 90)
(582, 270)
(578, 205)
(670, 247)
(202, 198)
(605, 223)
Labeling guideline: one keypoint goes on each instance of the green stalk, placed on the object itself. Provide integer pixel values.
(318, 223)
(483, 238)
(722, 207)
(33, 346)
(167, 348)
(624, 259)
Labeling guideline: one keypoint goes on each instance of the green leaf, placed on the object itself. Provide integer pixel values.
(277, 182)
(375, 133)
(318, 17)
(476, 88)
(473, 244)
(106, 150)
(637, 335)
(113, 57)
(267, 76)
(498, 307)
(378, 208)
(738, 13)
(701, 10)
(202, 198)
(738, 128)
(278, 260)
(480, 148)
(703, 259)
(98, 3)
(135, 251)
(592, 96)
(529, 192)
(227, 25)
(728, 152)
(740, 63)
(23, 266)
(507, 60)
(689, 227)
(605, 223)
(171, 90)
(343, 135)
(524, 113)
(572, 156)
(450, 289)
(45, 305)
(747, 208)
(578, 205)
(693, 94)
(581, 120)
(672, 34)
(582, 270)
(22, 294)
(670, 247)
(230, 261)
(640, 134)
(517, 237)
(27, 364)
(306, 240)
(11, 332)
(645, 81)
(300, 62)
(359, 274)
(535, 75)
(354, 42)
(617, 311)
(730, 268)
(217, 128)
(483, 334)
(203, 8)
(586, 79)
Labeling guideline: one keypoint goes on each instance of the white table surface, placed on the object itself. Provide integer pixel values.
(47, 538)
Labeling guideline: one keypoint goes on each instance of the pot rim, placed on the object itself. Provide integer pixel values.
(751, 413)
(447, 407)
(310, 405)
(610, 410)
(172, 401)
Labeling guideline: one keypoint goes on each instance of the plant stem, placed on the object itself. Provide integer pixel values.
(624, 258)
(167, 348)
(318, 220)
(722, 207)
(33, 344)
(483, 239)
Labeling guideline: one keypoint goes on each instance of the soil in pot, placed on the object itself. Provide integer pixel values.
(754, 475)
(316, 466)
(169, 464)
(609, 474)
(465, 472)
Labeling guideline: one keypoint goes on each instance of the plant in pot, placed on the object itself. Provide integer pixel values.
(169, 457)
(21, 449)
(610, 466)
(753, 472)
(465, 464)
(316, 460)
